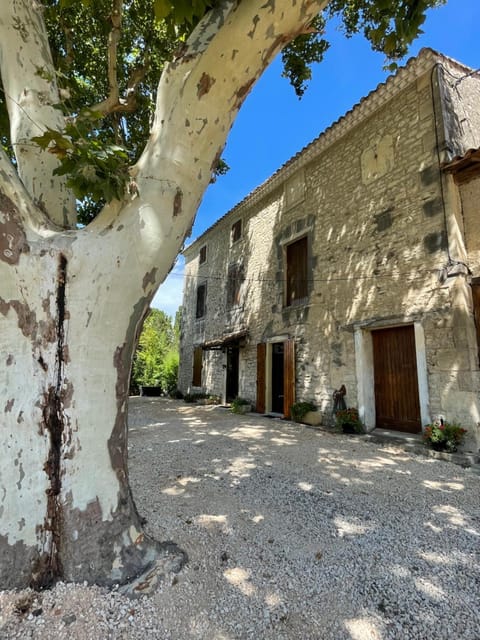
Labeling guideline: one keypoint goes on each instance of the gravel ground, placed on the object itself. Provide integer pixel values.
(291, 533)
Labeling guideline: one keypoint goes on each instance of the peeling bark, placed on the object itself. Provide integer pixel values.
(72, 302)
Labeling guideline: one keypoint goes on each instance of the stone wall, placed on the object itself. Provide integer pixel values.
(373, 206)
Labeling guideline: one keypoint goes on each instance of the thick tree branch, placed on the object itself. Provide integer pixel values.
(29, 82)
(199, 95)
(112, 101)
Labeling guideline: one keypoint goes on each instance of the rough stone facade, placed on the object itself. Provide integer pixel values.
(391, 241)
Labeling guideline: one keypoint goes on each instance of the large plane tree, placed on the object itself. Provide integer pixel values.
(80, 81)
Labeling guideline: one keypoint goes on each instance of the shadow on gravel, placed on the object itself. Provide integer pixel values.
(316, 535)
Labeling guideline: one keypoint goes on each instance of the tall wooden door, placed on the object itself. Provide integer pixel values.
(476, 309)
(397, 403)
(261, 361)
(288, 377)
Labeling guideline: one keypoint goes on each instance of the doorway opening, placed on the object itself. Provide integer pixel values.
(277, 377)
(232, 373)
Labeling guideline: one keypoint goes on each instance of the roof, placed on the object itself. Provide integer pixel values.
(377, 98)
(464, 168)
(225, 340)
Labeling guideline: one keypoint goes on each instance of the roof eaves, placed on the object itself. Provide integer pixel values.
(369, 104)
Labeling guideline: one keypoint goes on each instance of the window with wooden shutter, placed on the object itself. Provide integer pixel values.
(234, 285)
(201, 301)
(296, 277)
(197, 367)
(203, 254)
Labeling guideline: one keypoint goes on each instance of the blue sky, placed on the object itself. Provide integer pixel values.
(273, 125)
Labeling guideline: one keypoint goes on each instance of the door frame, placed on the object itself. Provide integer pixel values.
(265, 402)
(365, 374)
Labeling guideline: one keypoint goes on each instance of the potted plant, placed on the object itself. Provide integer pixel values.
(241, 406)
(306, 412)
(443, 436)
(348, 420)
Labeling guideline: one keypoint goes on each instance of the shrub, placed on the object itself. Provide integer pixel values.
(349, 420)
(238, 404)
(194, 397)
(443, 436)
(300, 409)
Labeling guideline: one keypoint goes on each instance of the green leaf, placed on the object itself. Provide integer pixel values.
(162, 9)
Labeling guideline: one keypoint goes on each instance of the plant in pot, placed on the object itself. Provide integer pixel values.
(240, 405)
(305, 412)
(348, 420)
(443, 436)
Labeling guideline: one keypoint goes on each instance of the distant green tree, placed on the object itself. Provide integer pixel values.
(156, 358)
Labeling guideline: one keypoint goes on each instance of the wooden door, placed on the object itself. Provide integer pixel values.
(261, 357)
(397, 404)
(476, 309)
(288, 377)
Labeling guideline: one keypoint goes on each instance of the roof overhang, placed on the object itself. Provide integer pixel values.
(464, 168)
(225, 340)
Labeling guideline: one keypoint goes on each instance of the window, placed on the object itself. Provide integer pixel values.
(234, 285)
(203, 254)
(197, 367)
(296, 255)
(236, 231)
(201, 301)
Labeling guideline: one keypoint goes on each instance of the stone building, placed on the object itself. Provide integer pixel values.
(356, 263)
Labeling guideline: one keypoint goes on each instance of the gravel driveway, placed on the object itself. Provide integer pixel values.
(291, 533)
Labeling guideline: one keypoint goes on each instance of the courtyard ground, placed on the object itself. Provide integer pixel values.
(290, 532)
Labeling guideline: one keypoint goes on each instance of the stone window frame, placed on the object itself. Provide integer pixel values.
(202, 254)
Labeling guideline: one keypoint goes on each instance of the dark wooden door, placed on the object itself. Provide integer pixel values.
(397, 404)
(232, 373)
(476, 309)
(278, 377)
(288, 377)
(261, 353)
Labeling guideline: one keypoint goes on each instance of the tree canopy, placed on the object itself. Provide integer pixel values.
(109, 54)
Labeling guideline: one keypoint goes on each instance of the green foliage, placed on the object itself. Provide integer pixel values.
(95, 152)
(389, 25)
(300, 409)
(182, 15)
(156, 358)
(96, 171)
(348, 419)
(201, 398)
(444, 436)
(239, 405)
(301, 53)
(169, 371)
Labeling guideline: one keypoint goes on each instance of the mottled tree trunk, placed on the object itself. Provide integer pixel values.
(72, 301)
